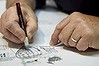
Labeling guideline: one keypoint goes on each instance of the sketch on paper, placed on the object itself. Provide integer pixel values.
(33, 55)
(51, 60)
(37, 53)
(34, 52)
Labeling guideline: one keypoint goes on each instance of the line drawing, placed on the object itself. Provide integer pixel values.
(34, 52)
(52, 60)
(33, 55)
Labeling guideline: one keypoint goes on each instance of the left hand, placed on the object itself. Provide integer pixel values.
(78, 30)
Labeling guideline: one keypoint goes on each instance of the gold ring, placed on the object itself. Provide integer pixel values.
(74, 40)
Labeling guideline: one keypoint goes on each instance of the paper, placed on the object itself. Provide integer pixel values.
(41, 54)
(37, 54)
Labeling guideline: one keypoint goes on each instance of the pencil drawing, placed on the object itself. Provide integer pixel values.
(33, 55)
(34, 52)
(51, 60)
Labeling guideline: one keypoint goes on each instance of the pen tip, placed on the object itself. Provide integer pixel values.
(26, 42)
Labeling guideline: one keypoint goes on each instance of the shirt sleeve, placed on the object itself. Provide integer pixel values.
(40, 3)
(69, 5)
(84, 6)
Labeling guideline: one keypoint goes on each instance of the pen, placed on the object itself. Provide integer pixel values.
(22, 23)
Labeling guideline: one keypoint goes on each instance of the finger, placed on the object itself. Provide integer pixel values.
(31, 27)
(76, 35)
(31, 40)
(66, 33)
(82, 44)
(15, 29)
(58, 29)
(7, 34)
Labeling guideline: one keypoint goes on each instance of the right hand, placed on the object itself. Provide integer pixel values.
(9, 24)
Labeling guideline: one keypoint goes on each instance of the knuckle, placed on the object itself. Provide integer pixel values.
(8, 25)
(58, 27)
(88, 34)
(76, 13)
(61, 38)
(77, 17)
(77, 21)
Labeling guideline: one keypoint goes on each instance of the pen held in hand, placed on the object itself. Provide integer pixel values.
(21, 22)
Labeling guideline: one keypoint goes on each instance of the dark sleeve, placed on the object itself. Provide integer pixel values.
(40, 3)
(69, 5)
(84, 6)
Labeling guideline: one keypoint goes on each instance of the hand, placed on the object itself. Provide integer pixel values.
(78, 30)
(9, 24)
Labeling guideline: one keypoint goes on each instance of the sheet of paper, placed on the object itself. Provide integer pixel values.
(41, 54)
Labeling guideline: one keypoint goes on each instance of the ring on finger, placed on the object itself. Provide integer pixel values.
(74, 40)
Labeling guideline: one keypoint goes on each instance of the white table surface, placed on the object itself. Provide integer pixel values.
(47, 20)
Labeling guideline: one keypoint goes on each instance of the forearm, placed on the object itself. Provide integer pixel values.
(30, 3)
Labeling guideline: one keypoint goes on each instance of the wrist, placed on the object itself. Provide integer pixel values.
(31, 4)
